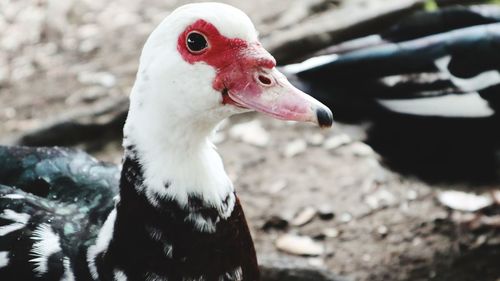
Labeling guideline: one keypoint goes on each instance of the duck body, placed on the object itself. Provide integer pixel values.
(171, 212)
(66, 196)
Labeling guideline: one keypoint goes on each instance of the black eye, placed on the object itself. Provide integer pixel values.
(196, 42)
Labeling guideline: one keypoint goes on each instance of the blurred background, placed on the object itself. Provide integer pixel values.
(405, 186)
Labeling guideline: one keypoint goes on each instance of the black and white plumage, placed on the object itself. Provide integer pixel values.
(429, 86)
(413, 69)
(53, 202)
(57, 200)
(171, 213)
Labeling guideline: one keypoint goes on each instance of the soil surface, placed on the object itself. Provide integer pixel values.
(62, 58)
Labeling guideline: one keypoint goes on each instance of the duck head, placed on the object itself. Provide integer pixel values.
(205, 62)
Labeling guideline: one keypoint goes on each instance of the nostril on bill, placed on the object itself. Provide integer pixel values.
(325, 117)
(264, 80)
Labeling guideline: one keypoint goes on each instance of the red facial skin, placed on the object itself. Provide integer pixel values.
(234, 58)
(246, 77)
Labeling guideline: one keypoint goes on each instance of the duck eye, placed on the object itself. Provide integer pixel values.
(196, 42)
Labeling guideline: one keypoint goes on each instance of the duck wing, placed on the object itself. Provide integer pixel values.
(53, 201)
(422, 24)
(59, 174)
(456, 68)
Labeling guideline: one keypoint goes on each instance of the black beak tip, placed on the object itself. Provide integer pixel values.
(325, 117)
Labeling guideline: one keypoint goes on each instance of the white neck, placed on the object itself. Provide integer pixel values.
(175, 153)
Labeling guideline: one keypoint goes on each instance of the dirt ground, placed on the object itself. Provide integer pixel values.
(58, 59)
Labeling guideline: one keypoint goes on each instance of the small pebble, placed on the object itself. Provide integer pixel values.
(104, 79)
(464, 201)
(360, 149)
(481, 240)
(331, 232)
(250, 132)
(336, 141)
(294, 148)
(366, 257)
(304, 217)
(277, 186)
(325, 212)
(412, 195)
(316, 262)
(382, 230)
(345, 217)
(315, 139)
(299, 245)
(380, 198)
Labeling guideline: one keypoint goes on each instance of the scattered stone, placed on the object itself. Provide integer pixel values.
(104, 79)
(88, 46)
(304, 217)
(325, 212)
(288, 214)
(480, 241)
(316, 262)
(299, 245)
(360, 149)
(315, 139)
(366, 258)
(277, 186)
(88, 30)
(462, 201)
(382, 231)
(250, 132)
(275, 222)
(345, 217)
(331, 232)
(412, 195)
(294, 148)
(87, 95)
(336, 141)
(380, 198)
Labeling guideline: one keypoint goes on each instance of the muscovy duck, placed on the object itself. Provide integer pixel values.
(429, 86)
(171, 213)
(432, 63)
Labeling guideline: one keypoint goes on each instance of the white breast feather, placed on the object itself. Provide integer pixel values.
(47, 244)
(4, 259)
(102, 243)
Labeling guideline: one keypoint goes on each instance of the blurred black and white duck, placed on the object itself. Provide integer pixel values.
(171, 212)
(430, 58)
(429, 86)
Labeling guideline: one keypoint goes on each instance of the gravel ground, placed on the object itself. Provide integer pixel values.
(60, 57)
